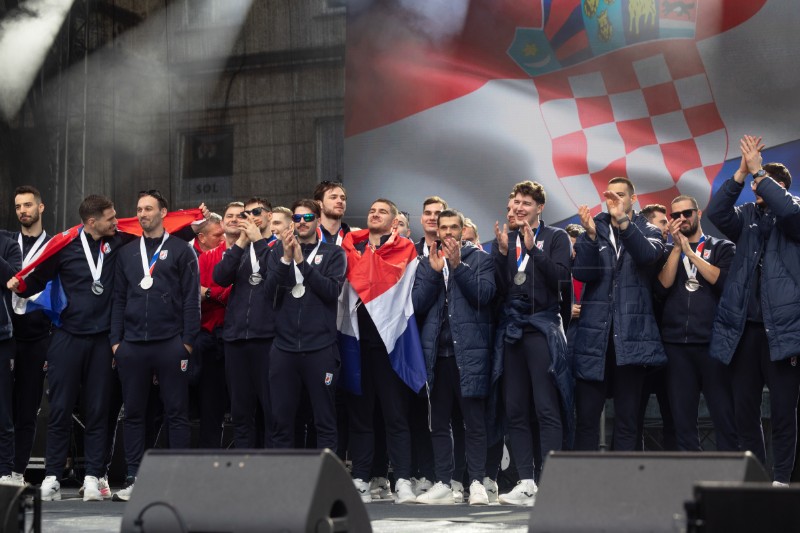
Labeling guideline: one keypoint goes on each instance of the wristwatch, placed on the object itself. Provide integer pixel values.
(760, 174)
(207, 294)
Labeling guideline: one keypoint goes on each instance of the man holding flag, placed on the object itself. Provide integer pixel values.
(79, 356)
(381, 351)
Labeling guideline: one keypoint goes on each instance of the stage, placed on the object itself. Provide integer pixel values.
(73, 515)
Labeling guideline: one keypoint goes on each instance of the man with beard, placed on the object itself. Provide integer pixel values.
(690, 285)
(332, 199)
(155, 320)
(757, 328)
(617, 342)
(304, 278)
(249, 324)
(31, 336)
(453, 291)
(656, 214)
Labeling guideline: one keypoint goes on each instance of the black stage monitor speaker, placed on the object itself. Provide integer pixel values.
(14, 503)
(629, 492)
(727, 507)
(241, 491)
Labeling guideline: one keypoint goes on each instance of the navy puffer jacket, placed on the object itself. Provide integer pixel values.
(747, 225)
(618, 292)
(470, 291)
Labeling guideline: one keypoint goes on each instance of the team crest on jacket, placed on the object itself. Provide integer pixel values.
(184, 365)
(706, 254)
(11, 363)
(317, 259)
(106, 248)
(540, 245)
(44, 367)
(163, 254)
(328, 378)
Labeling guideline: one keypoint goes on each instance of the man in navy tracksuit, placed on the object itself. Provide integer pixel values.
(453, 292)
(249, 327)
(689, 286)
(531, 265)
(10, 261)
(304, 278)
(79, 356)
(757, 328)
(31, 335)
(155, 320)
(617, 338)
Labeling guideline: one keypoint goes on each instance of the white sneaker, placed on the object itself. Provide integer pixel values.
(403, 492)
(523, 494)
(380, 489)
(91, 489)
(13, 479)
(105, 490)
(491, 489)
(779, 484)
(420, 486)
(458, 491)
(125, 494)
(477, 493)
(439, 494)
(50, 489)
(362, 487)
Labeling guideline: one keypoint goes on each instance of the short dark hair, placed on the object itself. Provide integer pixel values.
(682, 198)
(434, 200)
(162, 202)
(451, 213)
(779, 172)
(327, 185)
(530, 188)
(650, 210)
(29, 189)
(259, 200)
(574, 230)
(626, 181)
(232, 204)
(309, 204)
(93, 206)
(392, 206)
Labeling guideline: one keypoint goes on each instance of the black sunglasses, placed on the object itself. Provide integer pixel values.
(256, 211)
(308, 217)
(686, 213)
(155, 193)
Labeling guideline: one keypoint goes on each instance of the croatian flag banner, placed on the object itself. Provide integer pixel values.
(381, 280)
(464, 98)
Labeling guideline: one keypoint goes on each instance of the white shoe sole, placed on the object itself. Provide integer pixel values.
(436, 502)
(92, 496)
(406, 500)
(516, 502)
(479, 502)
(52, 498)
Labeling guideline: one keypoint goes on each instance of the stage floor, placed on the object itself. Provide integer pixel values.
(72, 515)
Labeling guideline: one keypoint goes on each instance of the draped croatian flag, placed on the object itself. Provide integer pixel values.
(464, 98)
(381, 281)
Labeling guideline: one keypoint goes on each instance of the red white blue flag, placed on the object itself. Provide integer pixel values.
(466, 97)
(381, 280)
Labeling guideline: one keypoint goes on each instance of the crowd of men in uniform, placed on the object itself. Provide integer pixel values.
(523, 341)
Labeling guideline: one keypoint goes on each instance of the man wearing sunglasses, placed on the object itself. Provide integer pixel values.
(332, 199)
(304, 278)
(249, 327)
(756, 331)
(690, 285)
(155, 319)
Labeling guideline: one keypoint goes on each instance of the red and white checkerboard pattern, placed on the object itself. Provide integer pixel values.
(652, 119)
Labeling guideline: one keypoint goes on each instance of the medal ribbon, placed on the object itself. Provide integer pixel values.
(255, 266)
(298, 277)
(522, 259)
(691, 269)
(33, 254)
(95, 270)
(148, 267)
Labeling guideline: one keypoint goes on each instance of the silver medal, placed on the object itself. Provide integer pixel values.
(519, 278)
(255, 278)
(97, 288)
(298, 290)
(692, 284)
(146, 282)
